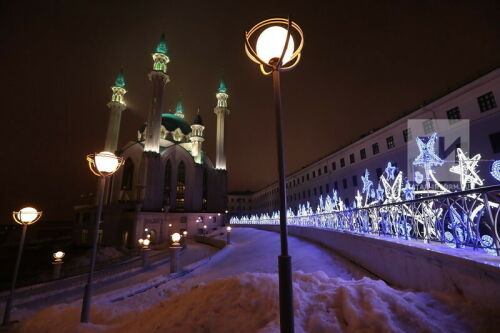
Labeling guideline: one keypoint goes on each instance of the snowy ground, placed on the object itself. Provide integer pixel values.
(237, 291)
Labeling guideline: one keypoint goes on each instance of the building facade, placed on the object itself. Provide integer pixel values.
(341, 170)
(167, 182)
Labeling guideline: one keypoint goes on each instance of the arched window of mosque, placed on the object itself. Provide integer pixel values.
(205, 190)
(128, 175)
(168, 182)
(181, 185)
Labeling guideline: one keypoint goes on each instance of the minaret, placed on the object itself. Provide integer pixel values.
(153, 175)
(159, 78)
(221, 110)
(197, 138)
(116, 106)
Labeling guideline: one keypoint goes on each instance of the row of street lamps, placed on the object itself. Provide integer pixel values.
(274, 50)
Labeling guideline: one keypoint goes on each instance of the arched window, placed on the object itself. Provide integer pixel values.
(204, 202)
(128, 175)
(181, 186)
(168, 182)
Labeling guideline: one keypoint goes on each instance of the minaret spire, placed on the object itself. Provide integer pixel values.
(116, 106)
(153, 187)
(221, 110)
(197, 138)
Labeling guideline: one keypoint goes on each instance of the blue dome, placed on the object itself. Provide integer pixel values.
(172, 122)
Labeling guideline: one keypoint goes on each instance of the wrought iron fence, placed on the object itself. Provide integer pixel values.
(466, 219)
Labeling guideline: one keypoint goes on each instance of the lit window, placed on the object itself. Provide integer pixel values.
(362, 153)
(407, 134)
(453, 115)
(428, 126)
(390, 142)
(486, 102)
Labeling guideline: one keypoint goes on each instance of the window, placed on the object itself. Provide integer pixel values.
(390, 142)
(453, 115)
(314, 174)
(325, 169)
(303, 194)
(334, 166)
(342, 162)
(336, 185)
(495, 142)
(168, 180)
(347, 201)
(181, 186)
(375, 148)
(314, 189)
(351, 158)
(362, 153)
(354, 181)
(321, 189)
(302, 179)
(319, 172)
(327, 188)
(307, 176)
(428, 126)
(308, 193)
(486, 102)
(407, 134)
(344, 183)
(379, 172)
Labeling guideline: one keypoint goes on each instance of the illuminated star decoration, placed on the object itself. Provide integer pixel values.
(380, 193)
(389, 170)
(427, 158)
(495, 170)
(466, 168)
(367, 183)
(408, 190)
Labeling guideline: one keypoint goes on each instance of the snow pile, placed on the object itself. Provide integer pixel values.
(249, 303)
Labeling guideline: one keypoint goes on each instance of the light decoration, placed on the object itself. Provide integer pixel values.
(466, 168)
(427, 157)
(390, 170)
(457, 219)
(228, 229)
(495, 170)
(184, 233)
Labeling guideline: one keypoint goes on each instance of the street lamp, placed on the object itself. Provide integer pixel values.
(228, 234)
(57, 263)
(24, 217)
(103, 165)
(275, 52)
(176, 237)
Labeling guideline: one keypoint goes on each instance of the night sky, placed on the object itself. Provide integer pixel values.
(365, 63)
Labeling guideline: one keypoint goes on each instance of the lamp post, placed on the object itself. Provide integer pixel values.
(174, 252)
(103, 165)
(228, 234)
(275, 52)
(57, 263)
(25, 217)
(184, 238)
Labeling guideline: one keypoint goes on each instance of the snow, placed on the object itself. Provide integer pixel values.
(237, 291)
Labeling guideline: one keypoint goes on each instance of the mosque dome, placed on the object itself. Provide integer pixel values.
(172, 122)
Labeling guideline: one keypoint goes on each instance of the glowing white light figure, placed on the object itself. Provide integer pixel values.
(495, 170)
(427, 157)
(367, 183)
(392, 192)
(390, 170)
(408, 191)
(466, 168)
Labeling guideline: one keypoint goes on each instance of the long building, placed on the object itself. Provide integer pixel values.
(473, 107)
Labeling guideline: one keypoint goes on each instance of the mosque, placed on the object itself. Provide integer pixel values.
(167, 184)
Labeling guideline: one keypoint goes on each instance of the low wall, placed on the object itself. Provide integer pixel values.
(419, 267)
(218, 243)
